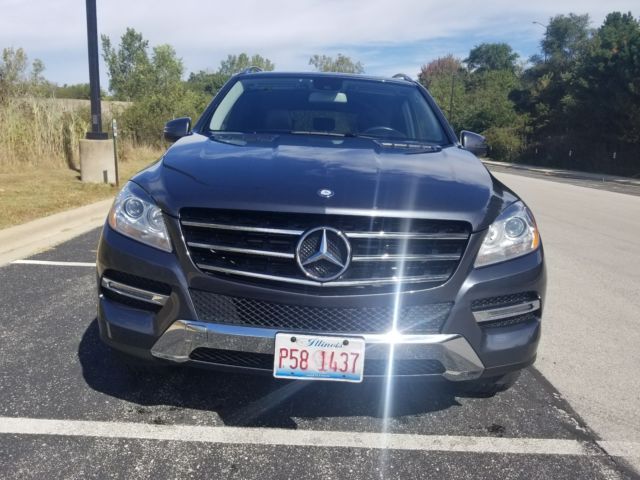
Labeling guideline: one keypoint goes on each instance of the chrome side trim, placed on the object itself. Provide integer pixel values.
(341, 283)
(134, 292)
(241, 228)
(452, 350)
(246, 251)
(409, 236)
(434, 257)
(505, 312)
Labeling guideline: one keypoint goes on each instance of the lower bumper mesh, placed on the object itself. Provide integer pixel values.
(215, 308)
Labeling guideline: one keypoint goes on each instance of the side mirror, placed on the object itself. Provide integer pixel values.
(176, 129)
(474, 143)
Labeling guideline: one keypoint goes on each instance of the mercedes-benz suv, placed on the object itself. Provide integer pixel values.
(323, 227)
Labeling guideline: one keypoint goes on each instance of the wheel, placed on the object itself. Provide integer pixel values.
(486, 387)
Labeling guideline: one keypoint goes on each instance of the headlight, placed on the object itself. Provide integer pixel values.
(135, 215)
(513, 234)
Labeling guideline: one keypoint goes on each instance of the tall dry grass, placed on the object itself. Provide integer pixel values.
(44, 132)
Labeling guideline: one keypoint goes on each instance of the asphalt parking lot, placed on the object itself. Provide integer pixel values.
(68, 410)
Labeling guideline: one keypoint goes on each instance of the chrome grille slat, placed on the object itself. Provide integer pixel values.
(247, 251)
(407, 236)
(335, 283)
(259, 247)
(404, 258)
(242, 228)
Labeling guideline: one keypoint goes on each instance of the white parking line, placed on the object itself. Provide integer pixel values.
(304, 438)
(48, 262)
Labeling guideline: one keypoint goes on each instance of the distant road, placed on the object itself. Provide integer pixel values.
(629, 186)
(591, 336)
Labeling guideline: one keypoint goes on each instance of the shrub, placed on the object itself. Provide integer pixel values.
(505, 143)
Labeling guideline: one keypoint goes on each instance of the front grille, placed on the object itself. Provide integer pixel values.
(260, 247)
(215, 308)
(264, 361)
(503, 300)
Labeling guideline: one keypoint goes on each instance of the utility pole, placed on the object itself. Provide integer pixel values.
(453, 79)
(97, 161)
(96, 132)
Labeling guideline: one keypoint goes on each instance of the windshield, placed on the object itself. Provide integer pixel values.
(328, 106)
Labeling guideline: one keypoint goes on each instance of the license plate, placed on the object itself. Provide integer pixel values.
(318, 357)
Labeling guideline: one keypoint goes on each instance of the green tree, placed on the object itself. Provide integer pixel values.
(237, 63)
(209, 82)
(15, 77)
(479, 99)
(206, 82)
(440, 67)
(492, 56)
(154, 84)
(605, 90)
(12, 71)
(446, 79)
(133, 74)
(565, 37)
(545, 94)
(166, 68)
(341, 63)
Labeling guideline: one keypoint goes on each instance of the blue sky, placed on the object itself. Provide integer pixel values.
(387, 36)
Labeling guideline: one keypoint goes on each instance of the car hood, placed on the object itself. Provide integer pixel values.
(286, 173)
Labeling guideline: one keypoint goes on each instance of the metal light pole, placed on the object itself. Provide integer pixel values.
(546, 27)
(453, 80)
(96, 132)
(97, 163)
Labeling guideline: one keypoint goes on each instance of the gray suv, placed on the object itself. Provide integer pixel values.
(323, 227)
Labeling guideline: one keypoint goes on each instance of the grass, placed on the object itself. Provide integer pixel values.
(32, 192)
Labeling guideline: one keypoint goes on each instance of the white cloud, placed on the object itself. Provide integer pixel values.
(288, 32)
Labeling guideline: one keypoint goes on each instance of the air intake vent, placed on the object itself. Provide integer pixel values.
(214, 308)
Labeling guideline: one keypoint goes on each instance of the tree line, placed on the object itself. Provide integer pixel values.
(576, 104)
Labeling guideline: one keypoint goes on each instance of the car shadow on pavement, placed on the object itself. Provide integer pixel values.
(253, 400)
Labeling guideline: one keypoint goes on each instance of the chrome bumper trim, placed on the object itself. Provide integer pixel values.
(505, 312)
(454, 352)
(134, 292)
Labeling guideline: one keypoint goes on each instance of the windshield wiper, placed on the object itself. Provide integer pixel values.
(323, 134)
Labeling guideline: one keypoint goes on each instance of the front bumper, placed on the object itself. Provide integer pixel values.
(453, 351)
(173, 331)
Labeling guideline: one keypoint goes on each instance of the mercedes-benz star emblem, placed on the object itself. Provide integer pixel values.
(325, 193)
(323, 254)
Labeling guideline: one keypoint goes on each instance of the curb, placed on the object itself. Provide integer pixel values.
(32, 237)
(557, 172)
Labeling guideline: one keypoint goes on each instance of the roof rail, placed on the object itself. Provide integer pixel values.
(251, 69)
(403, 76)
